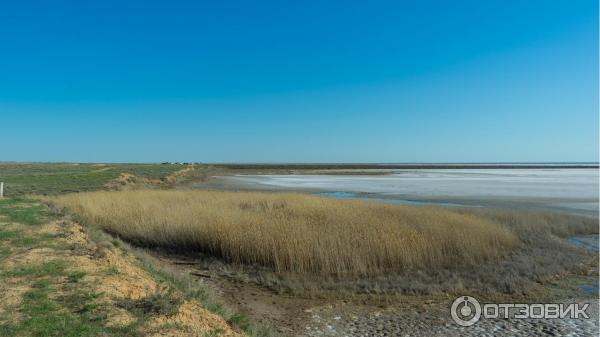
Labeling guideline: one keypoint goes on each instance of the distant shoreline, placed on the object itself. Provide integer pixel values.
(342, 166)
(410, 166)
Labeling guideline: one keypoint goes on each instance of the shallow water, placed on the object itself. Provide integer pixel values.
(571, 190)
(589, 242)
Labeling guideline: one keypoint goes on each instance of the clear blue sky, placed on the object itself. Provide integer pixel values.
(305, 81)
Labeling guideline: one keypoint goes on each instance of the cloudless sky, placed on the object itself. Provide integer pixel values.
(299, 81)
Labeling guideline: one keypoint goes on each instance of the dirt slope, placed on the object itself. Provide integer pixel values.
(95, 288)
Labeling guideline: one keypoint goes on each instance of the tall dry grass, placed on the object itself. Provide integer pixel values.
(296, 232)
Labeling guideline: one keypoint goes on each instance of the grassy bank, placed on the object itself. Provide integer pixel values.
(51, 179)
(61, 279)
(299, 233)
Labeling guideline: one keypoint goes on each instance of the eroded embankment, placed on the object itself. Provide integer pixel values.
(54, 279)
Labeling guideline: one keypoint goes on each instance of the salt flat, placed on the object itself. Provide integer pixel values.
(571, 190)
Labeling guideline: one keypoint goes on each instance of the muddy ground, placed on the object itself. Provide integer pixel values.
(412, 315)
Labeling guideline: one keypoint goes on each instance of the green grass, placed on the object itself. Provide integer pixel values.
(112, 270)
(49, 268)
(53, 307)
(28, 241)
(214, 333)
(58, 303)
(75, 313)
(42, 315)
(76, 276)
(19, 239)
(241, 321)
(52, 179)
(8, 235)
(22, 210)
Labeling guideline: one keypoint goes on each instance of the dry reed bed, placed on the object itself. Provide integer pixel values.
(297, 232)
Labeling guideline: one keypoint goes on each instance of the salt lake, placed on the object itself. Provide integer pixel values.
(567, 189)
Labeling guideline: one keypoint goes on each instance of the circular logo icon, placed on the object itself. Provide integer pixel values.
(465, 311)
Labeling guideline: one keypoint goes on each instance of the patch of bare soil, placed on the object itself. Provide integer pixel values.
(27, 257)
(12, 295)
(286, 314)
(181, 173)
(421, 315)
(190, 316)
(131, 181)
(101, 170)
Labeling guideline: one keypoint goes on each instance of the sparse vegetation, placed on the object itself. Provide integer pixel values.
(162, 303)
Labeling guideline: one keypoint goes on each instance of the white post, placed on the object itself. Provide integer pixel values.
(1, 189)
